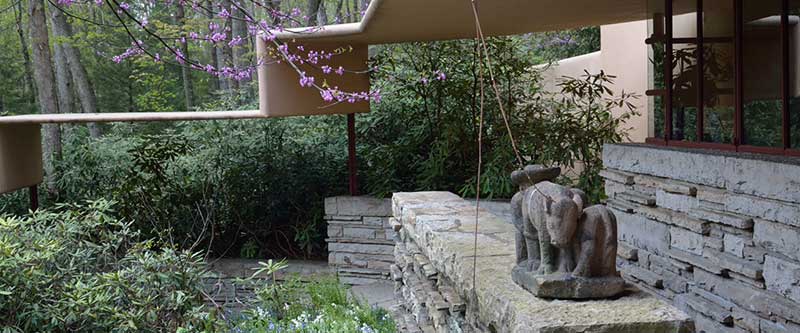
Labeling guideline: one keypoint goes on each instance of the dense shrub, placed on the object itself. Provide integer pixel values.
(80, 269)
(235, 188)
(423, 136)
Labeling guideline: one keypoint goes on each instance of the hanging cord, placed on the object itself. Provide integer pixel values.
(480, 151)
(484, 55)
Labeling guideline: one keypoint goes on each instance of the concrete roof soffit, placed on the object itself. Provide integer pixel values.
(394, 21)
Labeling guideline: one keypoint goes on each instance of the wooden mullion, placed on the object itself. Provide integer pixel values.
(738, 69)
(786, 135)
(700, 73)
(668, 70)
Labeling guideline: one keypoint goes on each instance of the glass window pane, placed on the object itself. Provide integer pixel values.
(684, 19)
(762, 73)
(656, 31)
(718, 19)
(718, 71)
(794, 74)
(684, 92)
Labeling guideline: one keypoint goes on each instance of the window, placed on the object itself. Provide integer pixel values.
(761, 76)
(793, 22)
(718, 71)
(733, 79)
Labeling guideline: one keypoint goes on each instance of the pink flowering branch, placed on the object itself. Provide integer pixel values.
(222, 36)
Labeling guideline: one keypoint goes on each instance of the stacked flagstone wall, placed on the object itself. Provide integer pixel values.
(444, 285)
(360, 239)
(718, 234)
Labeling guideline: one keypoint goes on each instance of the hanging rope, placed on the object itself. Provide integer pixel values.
(483, 55)
(478, 38)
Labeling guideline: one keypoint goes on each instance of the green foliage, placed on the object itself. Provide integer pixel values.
(569, 128)
(315, 307)
(545, 47)
(236, 188)
(78, 268)
(423, 136)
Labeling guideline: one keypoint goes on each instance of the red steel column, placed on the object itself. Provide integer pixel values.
(34, 197)
(351, 152)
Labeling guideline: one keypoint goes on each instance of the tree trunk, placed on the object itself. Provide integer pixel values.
(322, 15)
(63, 79)
(86, 95)
(274, 7)
(239, 29)
(348, 17)
(338, 14)
(313, 10)
(226, 56)
(26, 58)
(48, 101)
(212, 50)
(186, 75)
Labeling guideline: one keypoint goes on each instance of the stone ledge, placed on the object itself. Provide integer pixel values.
(441, 225)
(738, 173)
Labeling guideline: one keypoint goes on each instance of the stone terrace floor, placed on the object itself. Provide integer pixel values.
(224, 292)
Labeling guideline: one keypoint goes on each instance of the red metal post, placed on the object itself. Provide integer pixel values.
(351, 151)
(34, 197)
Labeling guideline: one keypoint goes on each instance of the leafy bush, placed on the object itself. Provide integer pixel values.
(315, 307)
(80, 269)
(569, 128)
(234, 188)
(423, 136)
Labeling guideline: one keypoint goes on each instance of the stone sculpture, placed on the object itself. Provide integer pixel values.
(563, 249)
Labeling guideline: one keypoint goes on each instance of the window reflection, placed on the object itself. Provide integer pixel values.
(763, 115)
(718, 71)
(684, 92)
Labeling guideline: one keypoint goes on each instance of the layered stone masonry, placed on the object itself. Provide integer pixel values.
(360, 238)
(716, 234)
(430, 301)
(433, 277)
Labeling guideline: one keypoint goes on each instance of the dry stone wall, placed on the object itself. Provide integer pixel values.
(360, 239)
(435, 257)
(717, 234)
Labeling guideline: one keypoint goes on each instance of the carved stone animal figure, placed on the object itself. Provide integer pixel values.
(523, 179)
(544, 205)
(592, 240)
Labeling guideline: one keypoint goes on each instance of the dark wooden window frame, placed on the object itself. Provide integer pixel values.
(700, 40)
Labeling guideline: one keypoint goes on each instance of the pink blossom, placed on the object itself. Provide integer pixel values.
(306, 81)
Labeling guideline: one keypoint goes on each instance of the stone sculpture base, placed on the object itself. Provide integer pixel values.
(566, 286)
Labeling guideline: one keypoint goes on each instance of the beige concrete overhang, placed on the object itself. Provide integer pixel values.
(20, 156)
(394, 21)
